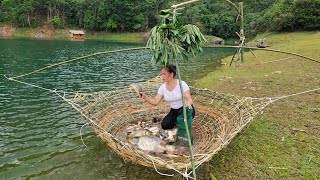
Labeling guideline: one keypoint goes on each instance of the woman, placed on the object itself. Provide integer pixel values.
(170, 92)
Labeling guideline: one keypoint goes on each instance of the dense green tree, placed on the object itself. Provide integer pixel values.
(111, 25)
(307, 14)
(56, 22)
(89, 20)
(214, 17)
(278, 18)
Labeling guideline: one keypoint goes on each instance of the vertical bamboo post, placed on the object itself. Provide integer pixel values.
(184, 101)
(186, 123)
(241, 29)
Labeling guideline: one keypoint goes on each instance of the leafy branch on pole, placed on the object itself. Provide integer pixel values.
(172, 39)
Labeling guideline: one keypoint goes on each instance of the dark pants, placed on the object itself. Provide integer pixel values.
(170, 120)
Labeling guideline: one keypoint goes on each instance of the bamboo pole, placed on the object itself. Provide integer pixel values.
(241, 35)
(184, 100)
(186, 123)
(264, 49)
(175, 6)
(241, 30)
(233, 5)
(77, 59)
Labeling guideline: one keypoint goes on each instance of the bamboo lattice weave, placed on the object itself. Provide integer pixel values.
(219, 117)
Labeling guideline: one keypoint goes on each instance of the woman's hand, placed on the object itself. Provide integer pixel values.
(189, 103)
(154, 101)
(143, 95)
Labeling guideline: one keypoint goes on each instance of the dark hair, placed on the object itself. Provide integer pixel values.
(172, 69)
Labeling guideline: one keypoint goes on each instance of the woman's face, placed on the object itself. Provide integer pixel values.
(166, 75)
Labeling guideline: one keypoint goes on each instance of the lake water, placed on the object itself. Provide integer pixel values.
(39, 132)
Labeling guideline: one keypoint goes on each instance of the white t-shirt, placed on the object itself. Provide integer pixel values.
(173, 97)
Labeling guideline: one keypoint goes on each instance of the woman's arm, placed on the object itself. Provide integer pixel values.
(189, 101)
(154, 101)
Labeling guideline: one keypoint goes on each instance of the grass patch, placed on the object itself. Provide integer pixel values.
(60, 34)
(22, 33)
(283, 142)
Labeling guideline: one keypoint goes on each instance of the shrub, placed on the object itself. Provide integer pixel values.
(56, 22)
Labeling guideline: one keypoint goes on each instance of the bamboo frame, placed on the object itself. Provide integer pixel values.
(183, 4)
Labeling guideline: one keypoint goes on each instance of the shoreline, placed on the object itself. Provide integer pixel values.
(48, 33)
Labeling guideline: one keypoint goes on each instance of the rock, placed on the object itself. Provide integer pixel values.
(298, 130)
(7, 30)
(218, 42)
(276, 72)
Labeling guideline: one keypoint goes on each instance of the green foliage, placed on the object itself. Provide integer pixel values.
(212, 177)
(288, 15)
(89, 20)
(307, 14)
(14, 11)
(171, 39)
(278, 18)
(217, 18)
(56, 22)
(140, 22)
(111, 24)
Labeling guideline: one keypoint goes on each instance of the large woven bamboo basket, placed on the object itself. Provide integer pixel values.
(219, 117)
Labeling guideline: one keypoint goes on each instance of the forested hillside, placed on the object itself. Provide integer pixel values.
(214, 17)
